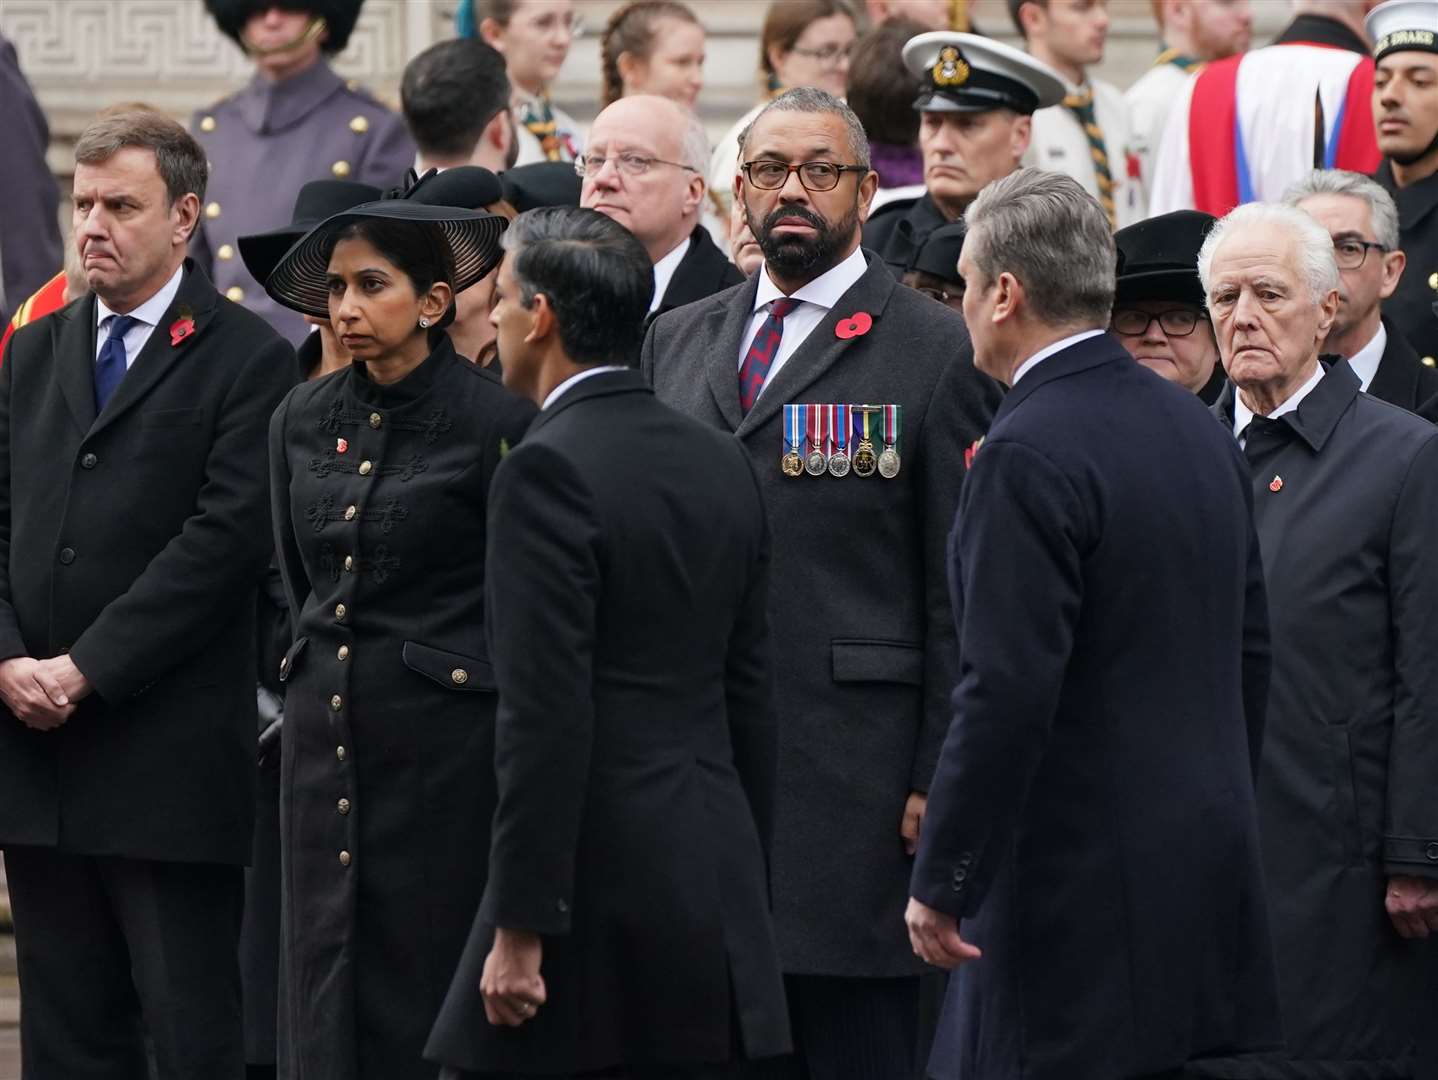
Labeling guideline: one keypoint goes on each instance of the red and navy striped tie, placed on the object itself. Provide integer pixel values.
(762, 350)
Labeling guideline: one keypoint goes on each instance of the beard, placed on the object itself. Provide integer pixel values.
(803, 257)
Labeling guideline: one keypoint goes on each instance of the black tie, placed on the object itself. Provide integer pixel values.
(1264, 437)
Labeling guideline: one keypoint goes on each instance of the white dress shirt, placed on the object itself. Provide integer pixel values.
(1242, 414)
(817, 297)
(574, 380)
(664, 271)
(148, 315)
(1049, 350)
(1366, 360)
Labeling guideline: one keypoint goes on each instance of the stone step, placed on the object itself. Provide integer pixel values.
(7, 955)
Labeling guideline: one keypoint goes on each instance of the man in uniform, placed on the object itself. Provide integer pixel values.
(855, 399)
(1405, 109)
(1087, 135)
(296, 121)
(976, 103)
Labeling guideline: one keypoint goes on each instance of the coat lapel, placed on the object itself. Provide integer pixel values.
(1396, 379)
(74, 344)
(723, 330)
(197, 297)
(822, 349)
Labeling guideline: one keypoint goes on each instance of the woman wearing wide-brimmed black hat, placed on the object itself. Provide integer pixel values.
(380, 474)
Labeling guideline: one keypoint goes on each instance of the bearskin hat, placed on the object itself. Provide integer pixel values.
(339, 15)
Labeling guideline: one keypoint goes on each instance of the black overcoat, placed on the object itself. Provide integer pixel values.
(857, 597)
(636, 745)
(387, 762)
(1403, 379)
(136, 540)
(897, 230)
(1413, 307)
(704, 271)
(1093, 819)
(1345, 494)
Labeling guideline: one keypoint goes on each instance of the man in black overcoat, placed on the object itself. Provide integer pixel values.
(133, 503)
(1345, 492)
(1092, 823)
(879, 383)
(625, 927)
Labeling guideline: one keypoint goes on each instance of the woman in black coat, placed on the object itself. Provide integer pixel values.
(380, 474)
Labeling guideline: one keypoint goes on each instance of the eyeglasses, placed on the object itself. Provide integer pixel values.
(628, 164)
(814, 175)
(828, 56)
(1175, 322)
(1349, 253)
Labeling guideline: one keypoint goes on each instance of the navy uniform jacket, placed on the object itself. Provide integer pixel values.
(1092, 820)
(1413, 307)
(264, 144)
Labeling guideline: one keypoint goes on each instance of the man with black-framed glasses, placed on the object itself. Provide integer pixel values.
(856, 400)
(1362, 218)
(644, 167)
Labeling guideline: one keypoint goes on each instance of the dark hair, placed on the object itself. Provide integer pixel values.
(178, 157)
(597, 276)
(450, 92)
(786, 20)
(880, 89)
(417, 249)
(1015, 6)
(631, 29)
(501, 11)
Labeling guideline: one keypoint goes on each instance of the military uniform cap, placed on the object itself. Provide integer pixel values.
(1403, 26)
(340, 17)
(967, 73)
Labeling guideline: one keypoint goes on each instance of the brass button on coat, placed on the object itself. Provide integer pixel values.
(459, 676)
(336, 703)
(341, 752)
(207, 124)
(235, 294)
(225, 252)
(360, 124)
(351, 512)
(212, 211)
(345, 859)
(1428, 361)
(340, 610)
(343, 807)
(375, 420)
(366, 467)
(344, 652)
(340, 168)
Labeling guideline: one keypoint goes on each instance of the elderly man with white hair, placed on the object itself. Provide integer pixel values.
(1345, 491)
(644, 166)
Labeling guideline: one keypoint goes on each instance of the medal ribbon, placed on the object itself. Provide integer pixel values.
(865, 414)
(839, 426)
(891, 425)
(816, 425)
(791, 427)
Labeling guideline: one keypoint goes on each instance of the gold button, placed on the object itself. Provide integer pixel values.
(345, 859)
(212, 211)
(1433, 280)
(341, 752)
(207, 123)
(350, 512)
(336, 703)
(234, 294)
(340, 168)
(344, 652)
(359, 125)
(226, 253)
(344, 806)
(350, 566)
(1428, 361)
(366, 467)
(375, 420)
(460, 676)
(352, 85)
(340, 610)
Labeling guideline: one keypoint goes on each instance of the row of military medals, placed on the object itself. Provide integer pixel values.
(817, 437)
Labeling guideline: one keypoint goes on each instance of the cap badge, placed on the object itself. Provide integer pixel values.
(950, 69)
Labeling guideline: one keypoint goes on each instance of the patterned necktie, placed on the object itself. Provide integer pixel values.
(1081, 105)
(110, 367)
(762, 350)
(538, 120)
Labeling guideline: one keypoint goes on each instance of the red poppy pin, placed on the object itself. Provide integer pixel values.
(972, 452)
(1276, 484)
(856, 325)
(182, 328)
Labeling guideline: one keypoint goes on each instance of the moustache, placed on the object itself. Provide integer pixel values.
(808, 217)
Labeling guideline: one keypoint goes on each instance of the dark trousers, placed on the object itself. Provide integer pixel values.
(734, 1071)
(111, 951)
(848, 1029)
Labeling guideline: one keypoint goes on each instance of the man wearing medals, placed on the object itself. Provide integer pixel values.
(855, 398)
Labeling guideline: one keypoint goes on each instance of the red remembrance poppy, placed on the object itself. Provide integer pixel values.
(856, 325)
(180, 329)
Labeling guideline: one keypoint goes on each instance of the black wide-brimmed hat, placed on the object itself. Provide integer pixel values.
(940, 254)
(1158, 258)
(542, 183)
(466, 186)
(316, 201)
(340, 17)
(298, 282)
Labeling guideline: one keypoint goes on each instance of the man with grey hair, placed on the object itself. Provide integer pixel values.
(1345, 493)
(1363, 221)
(643, 166)
(1092, 820)
(134, 506)
(855, 398)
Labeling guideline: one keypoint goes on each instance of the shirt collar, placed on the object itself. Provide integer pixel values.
(152, 310)
(574, 380)
(1242, 414)
(1049, 350)
(664, 271)
(1366, 360)
(824, 291)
